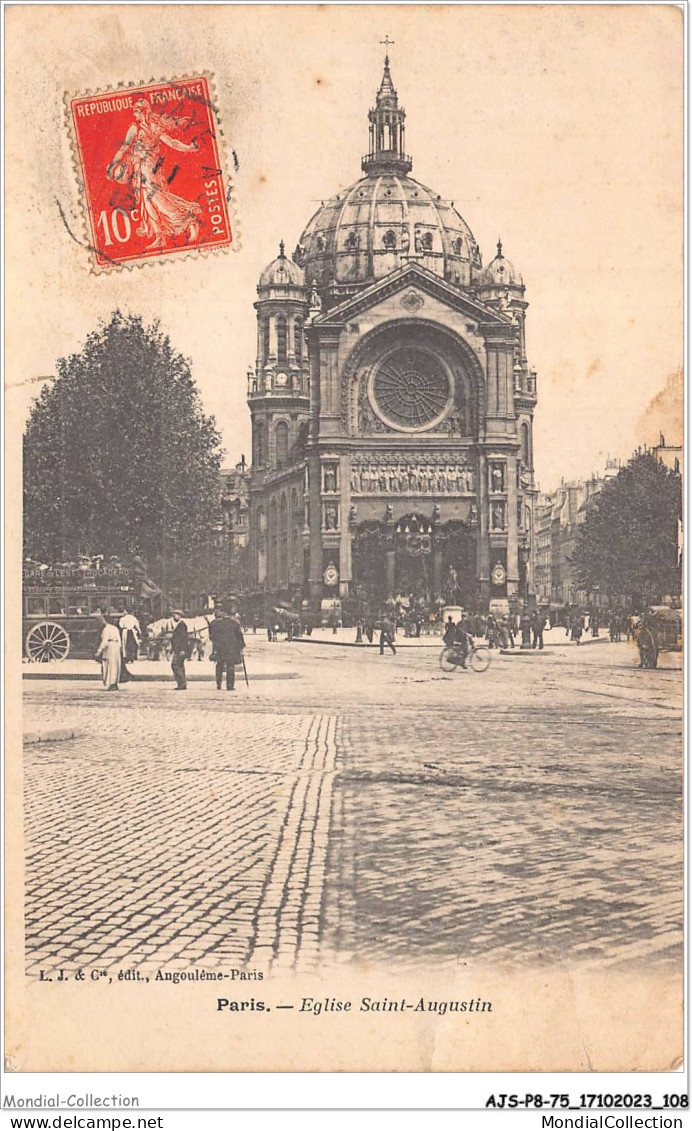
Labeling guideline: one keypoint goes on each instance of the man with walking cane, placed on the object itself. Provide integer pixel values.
(228, 642)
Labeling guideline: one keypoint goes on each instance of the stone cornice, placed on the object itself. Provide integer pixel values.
(426, 281)
(499, 331)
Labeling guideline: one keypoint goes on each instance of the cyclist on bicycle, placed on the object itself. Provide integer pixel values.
(462, 638)
(449, 632)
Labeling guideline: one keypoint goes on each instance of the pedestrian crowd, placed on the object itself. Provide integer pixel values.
(121, 639)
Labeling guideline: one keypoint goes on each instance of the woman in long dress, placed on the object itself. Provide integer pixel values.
(141, 163)
(109, 653)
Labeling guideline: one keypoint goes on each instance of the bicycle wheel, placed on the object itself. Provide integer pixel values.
(448, 661)
(480, 658)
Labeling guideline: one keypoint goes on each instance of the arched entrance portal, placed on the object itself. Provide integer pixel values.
(415, 556)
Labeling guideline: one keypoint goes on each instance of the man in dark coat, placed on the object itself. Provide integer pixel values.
(462, 637)
(228, 641)
(448, 636)
(537, 625)
(387, 635)
(180, 649)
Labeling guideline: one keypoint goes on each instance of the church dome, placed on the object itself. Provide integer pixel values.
(380, 223)
(281, 272)
(386, 219)
(500, 273)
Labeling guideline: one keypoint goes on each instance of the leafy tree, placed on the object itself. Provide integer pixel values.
(628, 544)
(119, 455)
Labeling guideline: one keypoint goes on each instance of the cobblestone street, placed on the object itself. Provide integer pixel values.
(368, 807)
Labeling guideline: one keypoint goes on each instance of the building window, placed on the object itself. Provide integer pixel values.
(411, 388)
(457, 247)
(351, 242)
(389, 240)
(525, 454)
(426, 241)
(281, 340)
(281, 439)
(298, 345)
(265, 341)
(259, 455)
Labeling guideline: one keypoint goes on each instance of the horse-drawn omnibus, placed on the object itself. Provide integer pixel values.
(60, 607)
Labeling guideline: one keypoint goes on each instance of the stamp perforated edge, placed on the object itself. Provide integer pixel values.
(224, 162)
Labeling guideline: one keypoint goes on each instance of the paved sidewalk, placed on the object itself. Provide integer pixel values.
(368, 806)
(198, 838)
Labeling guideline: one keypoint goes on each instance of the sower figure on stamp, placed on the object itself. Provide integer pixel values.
(180, 648)
(227, 638)
(140, 162)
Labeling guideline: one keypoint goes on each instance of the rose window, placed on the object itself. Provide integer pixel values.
(411, 389)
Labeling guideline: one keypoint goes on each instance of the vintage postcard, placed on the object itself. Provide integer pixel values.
(344, 401)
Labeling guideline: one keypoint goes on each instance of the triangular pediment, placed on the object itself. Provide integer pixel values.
(418, 281)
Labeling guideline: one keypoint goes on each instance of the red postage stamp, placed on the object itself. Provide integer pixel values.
(152, 175)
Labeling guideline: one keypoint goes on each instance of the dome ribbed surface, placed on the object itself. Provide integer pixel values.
(380, 223)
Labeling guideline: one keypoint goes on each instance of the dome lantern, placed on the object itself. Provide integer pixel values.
(387, 152)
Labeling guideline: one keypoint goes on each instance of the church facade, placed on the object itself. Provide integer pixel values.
(392, 401)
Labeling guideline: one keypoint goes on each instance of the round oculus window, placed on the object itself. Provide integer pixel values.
(410, 389)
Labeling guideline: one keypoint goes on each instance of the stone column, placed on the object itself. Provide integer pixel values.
(315, 578)
(329, 374)
(345, 567)
(483, 548)
(512, 528)
(437, 569)
(391, 571)
(499, 373)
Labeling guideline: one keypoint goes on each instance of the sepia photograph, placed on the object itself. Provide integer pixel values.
(344, 400)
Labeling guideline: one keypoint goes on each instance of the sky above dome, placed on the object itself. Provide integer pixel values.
(557, 128)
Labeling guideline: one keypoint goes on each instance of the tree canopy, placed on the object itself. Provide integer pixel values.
(628, 544)
(118, 453)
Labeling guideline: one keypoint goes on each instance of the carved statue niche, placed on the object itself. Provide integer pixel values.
(329, 474)
(331, 516)
(497, 478)
(498, 517)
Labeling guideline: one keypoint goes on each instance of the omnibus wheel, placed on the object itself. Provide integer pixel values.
(47, 641)
(447, 661)
(480, 658)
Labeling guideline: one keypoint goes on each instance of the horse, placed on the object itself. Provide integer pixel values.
(159, 632)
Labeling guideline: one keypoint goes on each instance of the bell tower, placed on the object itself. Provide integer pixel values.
(279, 386)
